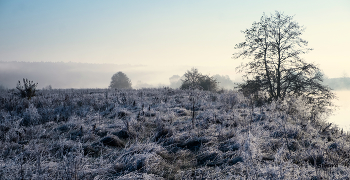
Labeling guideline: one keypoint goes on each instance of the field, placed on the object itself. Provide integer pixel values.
(165, 134)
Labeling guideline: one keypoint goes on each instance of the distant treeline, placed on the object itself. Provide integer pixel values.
(338, 83)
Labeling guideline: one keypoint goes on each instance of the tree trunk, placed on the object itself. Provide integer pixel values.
(279, 65)
(266, 67)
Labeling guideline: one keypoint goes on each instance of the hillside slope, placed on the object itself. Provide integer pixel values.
(150, 134)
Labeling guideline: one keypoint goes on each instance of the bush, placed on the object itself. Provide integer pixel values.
(30, 116)
(27, 90)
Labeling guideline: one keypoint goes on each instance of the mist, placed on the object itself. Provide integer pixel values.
(86, 75)
(67, 75)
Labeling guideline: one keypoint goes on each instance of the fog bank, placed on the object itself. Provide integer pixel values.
(71, 75)
(86, 75)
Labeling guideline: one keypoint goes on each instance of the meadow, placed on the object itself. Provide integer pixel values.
(165, 133)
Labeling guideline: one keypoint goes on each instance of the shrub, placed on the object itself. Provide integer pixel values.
(30, 116)
(27, 90)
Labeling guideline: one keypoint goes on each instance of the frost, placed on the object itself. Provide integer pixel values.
(151, 133)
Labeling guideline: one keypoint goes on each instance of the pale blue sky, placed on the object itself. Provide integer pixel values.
(167, 36)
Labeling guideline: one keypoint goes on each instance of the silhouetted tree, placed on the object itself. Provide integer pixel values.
(120, 81)
(195, 80)
(274, 46)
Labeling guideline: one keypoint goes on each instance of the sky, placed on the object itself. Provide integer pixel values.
(164, 37)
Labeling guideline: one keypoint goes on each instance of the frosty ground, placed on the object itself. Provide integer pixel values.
(165, 134)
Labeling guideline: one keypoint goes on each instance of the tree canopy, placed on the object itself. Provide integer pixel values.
(120, 81)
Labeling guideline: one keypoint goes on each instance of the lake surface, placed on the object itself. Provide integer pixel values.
(341, 116)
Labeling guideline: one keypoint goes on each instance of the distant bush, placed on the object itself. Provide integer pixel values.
(27, 90)
(196, 80)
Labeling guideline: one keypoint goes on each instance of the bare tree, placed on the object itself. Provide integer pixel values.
(275, 45)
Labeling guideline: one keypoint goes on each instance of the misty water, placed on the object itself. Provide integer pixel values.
(341, 115)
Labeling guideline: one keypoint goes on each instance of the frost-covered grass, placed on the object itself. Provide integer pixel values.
(150, 134)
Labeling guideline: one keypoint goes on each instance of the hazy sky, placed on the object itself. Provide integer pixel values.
(166, 36)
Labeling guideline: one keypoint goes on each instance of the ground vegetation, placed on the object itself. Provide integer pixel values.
(150, 134)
